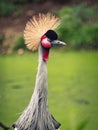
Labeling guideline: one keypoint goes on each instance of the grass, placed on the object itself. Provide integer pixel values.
(72, 87)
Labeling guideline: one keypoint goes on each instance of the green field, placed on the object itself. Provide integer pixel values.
(72, 87)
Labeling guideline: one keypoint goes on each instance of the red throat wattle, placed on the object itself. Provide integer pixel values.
(46, 54)
(46, 46)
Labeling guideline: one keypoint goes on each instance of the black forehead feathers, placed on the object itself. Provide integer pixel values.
(52, 35)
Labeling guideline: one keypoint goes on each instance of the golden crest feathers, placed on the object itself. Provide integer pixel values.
(37, 26)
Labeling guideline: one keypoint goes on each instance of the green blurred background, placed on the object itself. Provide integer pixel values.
(72, 70)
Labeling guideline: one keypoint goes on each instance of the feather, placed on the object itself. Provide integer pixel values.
(37, 26)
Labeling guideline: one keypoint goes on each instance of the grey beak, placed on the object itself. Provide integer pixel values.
(58, 43)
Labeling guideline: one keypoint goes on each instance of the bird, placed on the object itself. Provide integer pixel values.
(39, 33)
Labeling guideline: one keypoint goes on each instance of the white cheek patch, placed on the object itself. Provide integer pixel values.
(45, 40)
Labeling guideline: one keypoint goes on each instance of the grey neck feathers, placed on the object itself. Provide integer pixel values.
(37, 116)
(41, 78)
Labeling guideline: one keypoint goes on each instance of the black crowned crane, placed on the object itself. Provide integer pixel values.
(39, 33)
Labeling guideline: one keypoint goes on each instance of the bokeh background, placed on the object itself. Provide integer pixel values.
(72, 70)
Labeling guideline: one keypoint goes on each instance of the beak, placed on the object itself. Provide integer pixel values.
(58, 43)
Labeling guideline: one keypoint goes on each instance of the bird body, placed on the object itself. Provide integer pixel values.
(37, 116)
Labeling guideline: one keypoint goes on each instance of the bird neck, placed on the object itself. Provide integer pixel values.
(41, 78)
(40, 54)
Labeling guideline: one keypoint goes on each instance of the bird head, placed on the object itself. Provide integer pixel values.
(40, 30)
(48, 40)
